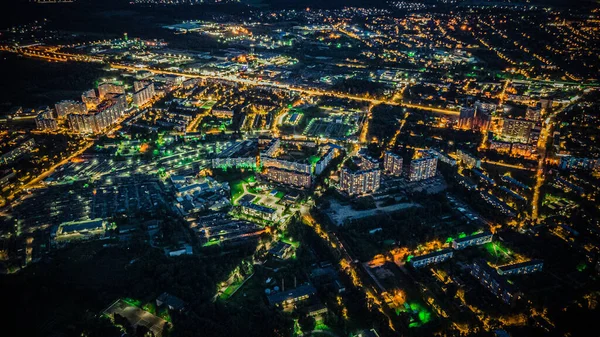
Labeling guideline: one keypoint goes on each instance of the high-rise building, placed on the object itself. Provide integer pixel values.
(45, 121)
(109, 88)
(95, 121)
(359, 182)
(144, 92)
(483, 115)
(82, 123)
(466, 118)
(516, 130)
(90, 99)
(533, 114)
(392, 163)
(546, 103)
(422, 168)
(366, 161)
(468, 159)
(325, 160)
(67, 107)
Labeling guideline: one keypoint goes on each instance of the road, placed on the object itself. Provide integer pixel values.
(497, 163)
(540, 175)
(347, 263)
(289, 87)
(50, 170)
(52, 54)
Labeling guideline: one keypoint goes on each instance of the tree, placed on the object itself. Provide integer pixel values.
(307, 323)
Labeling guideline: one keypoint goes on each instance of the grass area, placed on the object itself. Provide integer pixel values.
(164, 314)
(237, 190)
(150, 307)
(237, 186)
(133, 302)
(230, 290)
(313, 159)
(279, 195)
(419, 314)
(296, 244)
(498, 252)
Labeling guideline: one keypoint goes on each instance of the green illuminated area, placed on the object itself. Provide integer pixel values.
(133, 302)
(229, 291)
(419, 315)
(498, 252)
(239, 186)
(289, 241)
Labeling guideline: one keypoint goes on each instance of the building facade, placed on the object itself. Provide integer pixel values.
(359, 182)
(392, 163)
(423, 168)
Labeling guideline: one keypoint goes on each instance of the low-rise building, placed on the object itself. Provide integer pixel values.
(288, 298)
(527, 267)
(78, 230)
(492, 281)
(472, 240)
(170, 301)
(435, 257)
(258, 211)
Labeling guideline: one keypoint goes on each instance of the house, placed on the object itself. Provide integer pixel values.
(282, 250)
(287, 298)
(170, 301)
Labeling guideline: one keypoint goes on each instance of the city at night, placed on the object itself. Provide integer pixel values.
(298, 168)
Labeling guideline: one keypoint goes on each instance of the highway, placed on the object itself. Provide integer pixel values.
(289, 87)
(52, 54)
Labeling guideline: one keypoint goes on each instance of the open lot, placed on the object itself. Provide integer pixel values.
(137, 317)
(340, 214)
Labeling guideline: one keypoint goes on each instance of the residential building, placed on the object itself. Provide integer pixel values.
(533, 113)
(289, 177)
(170, 301)
(289, 298)
(366, 161)
(269, 162)
(492, 281)
(483, 115)
(527, 267)
(435, 257)
(271, 148)
(144, 92)
(516, 130)
(67, 107)
(392, 163)
(109, 88)
(258, 211)
(359, 182)
(324, 161)
(466, 117)
(472, 240)
(468, 159)
(45, 121)
(422, 168)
